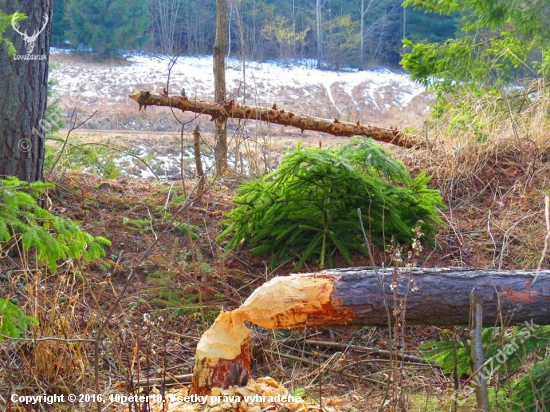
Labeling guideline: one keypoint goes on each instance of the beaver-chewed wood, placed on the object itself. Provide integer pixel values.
(355, 296)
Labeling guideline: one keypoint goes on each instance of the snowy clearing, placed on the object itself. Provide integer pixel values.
(350, 95)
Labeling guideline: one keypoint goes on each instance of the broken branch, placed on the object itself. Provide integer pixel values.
(230, 109)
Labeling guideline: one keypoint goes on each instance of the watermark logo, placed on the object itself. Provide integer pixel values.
(29, 40)
(493, 364)
(25, 145)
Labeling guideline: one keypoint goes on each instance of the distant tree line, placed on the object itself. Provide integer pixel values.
(336, 33)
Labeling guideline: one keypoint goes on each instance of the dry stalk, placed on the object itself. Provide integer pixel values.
(547, 238)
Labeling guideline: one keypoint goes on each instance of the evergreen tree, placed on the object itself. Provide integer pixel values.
(60, 25)
(498, 38)
(430, 27)
(107, 26)
(308, 208)
(5, 22)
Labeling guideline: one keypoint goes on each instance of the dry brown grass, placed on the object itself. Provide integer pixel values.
(492, 169)
(54, 359)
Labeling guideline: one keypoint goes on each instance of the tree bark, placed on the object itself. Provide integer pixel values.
(223, 110)
(353, 297)
(220, 46)
(23, 90)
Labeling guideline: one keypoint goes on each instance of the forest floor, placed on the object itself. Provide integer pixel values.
(182, 276)
(493, 221)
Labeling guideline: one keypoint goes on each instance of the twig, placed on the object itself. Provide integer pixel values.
(482, 396)
(545, 250)
(198, 162)
(383, 291)
(74, 116)
(169, 379)
(309, 362)
(492, 237)
(47, 339)
(380, 281)
(380, 352)
(361, 362)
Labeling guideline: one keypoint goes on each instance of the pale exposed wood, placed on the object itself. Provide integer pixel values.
(222, 358)
(221, 111)
(291, 301)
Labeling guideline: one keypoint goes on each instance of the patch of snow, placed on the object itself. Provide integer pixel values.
(267, 82)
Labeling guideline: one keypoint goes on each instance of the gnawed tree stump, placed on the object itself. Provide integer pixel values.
(230, 109)
(223, 355)
(353, 296)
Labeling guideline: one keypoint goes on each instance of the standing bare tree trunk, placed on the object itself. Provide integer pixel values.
(319, 28)
(220, 45)
(23, 90)
(165, 14)
(365, 9)
(362, 32)
(242, 46)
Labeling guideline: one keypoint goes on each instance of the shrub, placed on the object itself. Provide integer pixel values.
(531, 392)
(506, 352)
(51, 237)
(13, 321)
(308, 207)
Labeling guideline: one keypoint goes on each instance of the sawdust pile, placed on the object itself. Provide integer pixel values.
(262, 395)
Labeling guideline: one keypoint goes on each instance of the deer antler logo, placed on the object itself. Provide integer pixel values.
(29, 40)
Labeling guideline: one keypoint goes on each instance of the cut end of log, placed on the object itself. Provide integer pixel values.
(293, 302)
(135, 96)
(223, 353)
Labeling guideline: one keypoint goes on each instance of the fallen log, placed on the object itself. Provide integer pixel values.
(230, 109)
(353, 296)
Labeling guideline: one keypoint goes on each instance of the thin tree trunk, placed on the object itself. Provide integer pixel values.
(220, 46)
(221, 111)
(353, 296)
(404, 22)
(165, 13)
(23, 91)
(482, 394)
(242, 47)
(362, 32)
(319, 28)
(198, 161)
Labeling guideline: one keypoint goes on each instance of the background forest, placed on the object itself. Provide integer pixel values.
(336, 33)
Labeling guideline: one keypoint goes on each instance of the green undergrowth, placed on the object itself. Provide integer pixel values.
(38, 237)
(25, 226)
(308, 209)
(506, 352)
(13, 320)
